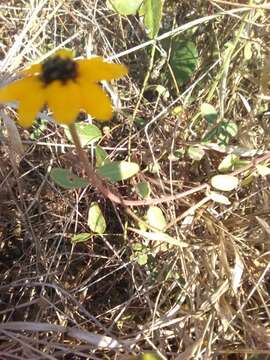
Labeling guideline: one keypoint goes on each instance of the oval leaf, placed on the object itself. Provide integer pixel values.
(195, 153)
(156, 218)
(224, 182)
(143, 189)
(263, 170)
(184, 59)
(118, 170)
(227, 164)
(88, 133)
(209, 113)
(219, 198)
(125, 7)
(102, 157)
(66, 179)
(96, 220)
(152, 16)
(82, 237)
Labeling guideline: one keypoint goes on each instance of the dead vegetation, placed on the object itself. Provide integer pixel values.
(207, 298)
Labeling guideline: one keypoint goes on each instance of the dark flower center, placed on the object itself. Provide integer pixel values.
(58, 68)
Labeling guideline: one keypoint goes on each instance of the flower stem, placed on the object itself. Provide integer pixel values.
(93, 178)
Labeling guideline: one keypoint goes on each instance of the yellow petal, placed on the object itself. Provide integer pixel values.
(64, 53)
(64, 101)
(96, 69)
(95, 101)
(31, 96)
(32, 70)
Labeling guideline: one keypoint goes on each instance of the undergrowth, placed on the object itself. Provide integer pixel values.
(195, 105)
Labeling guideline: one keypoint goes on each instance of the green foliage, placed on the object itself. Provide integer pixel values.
(96, 220)
(209, 113)
(222, 133)
(183, 60)
(102, 157)
(195, 153)
(125, 7)
(82, 237)
(155, 217)
(152, 16)
(143, 189)
(66, 179)
(39, 129)
(118, 170)
(88, 133)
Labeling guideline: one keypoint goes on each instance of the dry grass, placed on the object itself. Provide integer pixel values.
(205, 299)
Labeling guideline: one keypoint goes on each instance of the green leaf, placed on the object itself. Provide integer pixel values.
(156, 218)
(66, 179)
(82, 237)
(152, 16)
(224, 182)
(195, 153)
(263, 170)
(183, 60)
(88, 133)
(96, 220)
(222, 133)
(118, 170)
(125, 7)
(102, 157)
(209, 113)
(143, 189)
(142, 259)
(227, 164)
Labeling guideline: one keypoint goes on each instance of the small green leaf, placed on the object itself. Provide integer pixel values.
(209, 113)
(263, 170)
(152, 16)
(143, 189)
(227, 164)
(88, 133)
(102, 157)
(142, 259)
(195, 153)
(66, 179)
(125, 7)
(96, 220)
(224, 182)
(223, 132)
(156, 218)
(118, 170)
(82, 237)
(183, 60)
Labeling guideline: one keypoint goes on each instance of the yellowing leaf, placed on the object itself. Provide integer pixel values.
(224, 182)
(156, 218)
(195, 153)
(96, 221)
(263, 170)
(125, 7)
(219, 198)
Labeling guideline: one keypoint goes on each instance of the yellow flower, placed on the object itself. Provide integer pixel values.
(66, 86)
